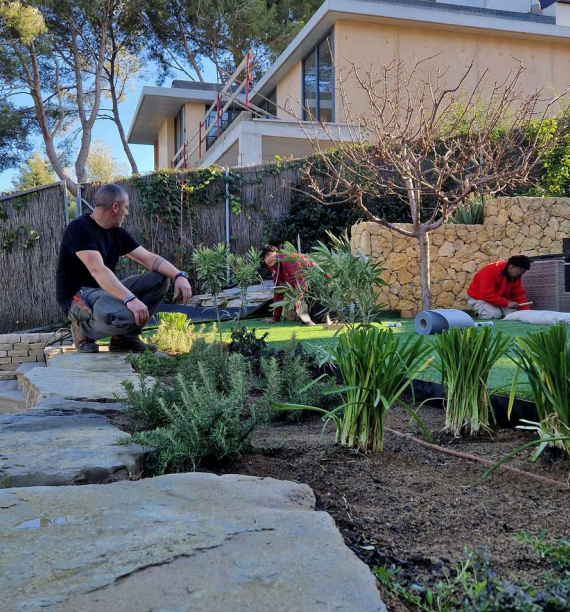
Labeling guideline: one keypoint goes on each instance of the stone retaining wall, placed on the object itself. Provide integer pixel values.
(16, 349)
(513, 226)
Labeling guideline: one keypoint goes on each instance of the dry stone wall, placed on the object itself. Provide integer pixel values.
(513, 226)
(16, 349)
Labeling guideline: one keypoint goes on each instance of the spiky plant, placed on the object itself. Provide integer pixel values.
(466, 357)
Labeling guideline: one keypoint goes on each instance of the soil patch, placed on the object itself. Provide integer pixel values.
(415, 508)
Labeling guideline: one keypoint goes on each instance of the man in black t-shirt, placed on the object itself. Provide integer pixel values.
(96, 301)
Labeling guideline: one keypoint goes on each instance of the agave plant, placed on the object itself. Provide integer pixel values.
(377, 367)
(466, 357)
(545, 358)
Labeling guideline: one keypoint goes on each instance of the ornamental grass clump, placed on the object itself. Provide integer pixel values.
(377, 366)
(545, 359)
(466, 357)
(176, 334)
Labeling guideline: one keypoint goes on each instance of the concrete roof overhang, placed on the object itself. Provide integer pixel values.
(157, 104)
(418, 13)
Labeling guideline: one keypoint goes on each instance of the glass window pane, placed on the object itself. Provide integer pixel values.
(326, 80)
(310, 85)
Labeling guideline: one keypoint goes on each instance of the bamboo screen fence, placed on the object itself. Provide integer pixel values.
(27, 268)
(264, 195)
(27, 275)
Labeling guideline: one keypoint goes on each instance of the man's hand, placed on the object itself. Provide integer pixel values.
(513, 305)
(139, 310)
(182, 290)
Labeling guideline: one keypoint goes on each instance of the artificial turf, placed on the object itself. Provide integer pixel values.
(500, 379)
(279, 334)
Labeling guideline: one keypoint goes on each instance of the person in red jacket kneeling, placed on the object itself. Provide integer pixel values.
(497, 290)
(283, 273)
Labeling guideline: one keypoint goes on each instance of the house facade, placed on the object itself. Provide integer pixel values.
(199, 124)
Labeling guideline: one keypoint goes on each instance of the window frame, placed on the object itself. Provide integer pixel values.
(314, 52)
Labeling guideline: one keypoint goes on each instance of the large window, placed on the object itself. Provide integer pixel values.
(179, 135)
(179, 130)
(318, 82)
(270, 105)
(212, 124)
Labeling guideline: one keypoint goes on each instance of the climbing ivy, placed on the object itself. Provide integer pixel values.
(24, 235)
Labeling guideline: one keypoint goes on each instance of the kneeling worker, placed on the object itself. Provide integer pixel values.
(96, 301)
(497, 290)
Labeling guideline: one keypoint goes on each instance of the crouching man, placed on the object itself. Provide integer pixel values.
(497, 290)
(95, 300)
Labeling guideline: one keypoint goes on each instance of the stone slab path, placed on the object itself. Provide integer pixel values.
(53, 450)
(178, 543)
(184, 543)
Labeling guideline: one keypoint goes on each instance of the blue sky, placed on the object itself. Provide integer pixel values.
(107, 132)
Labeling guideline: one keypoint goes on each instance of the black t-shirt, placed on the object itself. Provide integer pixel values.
(85, 234)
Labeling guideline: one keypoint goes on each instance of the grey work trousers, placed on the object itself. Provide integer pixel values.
(110, 317)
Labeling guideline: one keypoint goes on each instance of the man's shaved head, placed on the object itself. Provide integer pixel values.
(107, 195)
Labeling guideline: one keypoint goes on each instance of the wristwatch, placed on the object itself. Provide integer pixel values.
(184, 274)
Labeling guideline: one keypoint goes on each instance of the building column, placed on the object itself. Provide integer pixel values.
(250, 148)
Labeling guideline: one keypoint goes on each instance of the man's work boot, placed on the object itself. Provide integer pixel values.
(83, 344)
(130, 344)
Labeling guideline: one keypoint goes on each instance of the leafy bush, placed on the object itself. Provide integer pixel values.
(249, 345)
(203, 423)
(176, 334)
(344, 283)
(545, 358)
(212, 269)
(244, 270)
(466, 357)
(143, 403)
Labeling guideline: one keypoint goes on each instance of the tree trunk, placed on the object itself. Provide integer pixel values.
(425, 277)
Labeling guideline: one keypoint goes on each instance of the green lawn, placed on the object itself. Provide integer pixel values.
(499, 380)
(279, 334)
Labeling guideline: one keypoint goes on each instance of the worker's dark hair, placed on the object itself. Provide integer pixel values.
(107, 195)
(520, 261)
(268, 248)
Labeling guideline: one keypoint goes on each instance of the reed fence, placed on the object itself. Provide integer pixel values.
(27, 275)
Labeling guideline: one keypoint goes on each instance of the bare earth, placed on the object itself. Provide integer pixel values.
(419, 509)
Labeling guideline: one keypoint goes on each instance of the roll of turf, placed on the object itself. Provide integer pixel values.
(436, 321)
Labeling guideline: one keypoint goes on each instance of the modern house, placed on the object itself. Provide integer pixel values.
(199, 124)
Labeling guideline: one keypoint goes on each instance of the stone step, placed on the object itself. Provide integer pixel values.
(26, 367)
(103, 361)
(69, 383)
(12, 400)
(185, 542)
(48, 450)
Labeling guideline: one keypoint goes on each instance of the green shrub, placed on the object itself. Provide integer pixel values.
(545, 358)
(466, 357)
(203, 423)
(176, 334)
(343, 282)
(143, 403)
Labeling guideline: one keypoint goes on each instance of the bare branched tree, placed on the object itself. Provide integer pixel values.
(422, 137)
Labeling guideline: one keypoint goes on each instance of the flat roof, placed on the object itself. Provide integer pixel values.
(434, 15)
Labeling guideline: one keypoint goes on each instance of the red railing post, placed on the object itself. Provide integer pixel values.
(200, 141)
(218, 113)
(247, 82)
